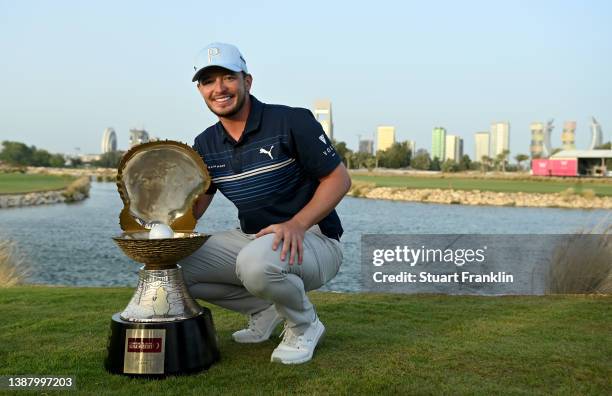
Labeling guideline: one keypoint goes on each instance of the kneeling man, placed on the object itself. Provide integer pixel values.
(278, 167)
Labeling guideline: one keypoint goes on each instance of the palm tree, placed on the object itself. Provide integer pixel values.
(485, 162)
(520, 158)
(502, 158)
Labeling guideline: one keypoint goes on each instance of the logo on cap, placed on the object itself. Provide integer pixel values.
(322, 139)
(213, 52)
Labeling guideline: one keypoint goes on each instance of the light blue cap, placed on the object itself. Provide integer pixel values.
(219, 54)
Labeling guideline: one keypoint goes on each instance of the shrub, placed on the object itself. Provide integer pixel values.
(13, 270)
(360, 189)
(449, 166)
(582, 264)
(77, 190)
(588, 193)
(567, 194)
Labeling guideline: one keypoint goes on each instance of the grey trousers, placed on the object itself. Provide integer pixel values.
(242, 273)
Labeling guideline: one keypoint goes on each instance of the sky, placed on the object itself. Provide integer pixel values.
(69, 69)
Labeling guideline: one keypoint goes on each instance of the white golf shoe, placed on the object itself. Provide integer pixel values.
(298, 348)
(261, 326)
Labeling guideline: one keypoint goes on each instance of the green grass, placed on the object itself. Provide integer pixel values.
(16, 183)
(376, 344)
(499, 185)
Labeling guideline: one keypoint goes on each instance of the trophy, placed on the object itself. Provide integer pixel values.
(163, 330)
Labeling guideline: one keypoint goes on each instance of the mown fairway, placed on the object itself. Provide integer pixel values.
(500, 185)
(375, 344)
(15, 183)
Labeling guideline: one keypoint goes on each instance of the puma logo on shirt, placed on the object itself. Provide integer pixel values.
(269, 152)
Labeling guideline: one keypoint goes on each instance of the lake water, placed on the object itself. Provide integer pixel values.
(72, 245)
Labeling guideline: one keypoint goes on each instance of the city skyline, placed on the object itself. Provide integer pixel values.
(69, 76)
(440, 139)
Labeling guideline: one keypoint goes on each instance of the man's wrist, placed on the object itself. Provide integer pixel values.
(303, 224)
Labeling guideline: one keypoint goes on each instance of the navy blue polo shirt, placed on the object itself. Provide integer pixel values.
(272, 172)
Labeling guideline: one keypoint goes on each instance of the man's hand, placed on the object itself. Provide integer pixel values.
(292, 234)
(330, 191)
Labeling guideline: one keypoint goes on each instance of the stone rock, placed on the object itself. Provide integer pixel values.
(492, 198)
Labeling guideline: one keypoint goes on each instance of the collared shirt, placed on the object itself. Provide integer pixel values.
(272, 172)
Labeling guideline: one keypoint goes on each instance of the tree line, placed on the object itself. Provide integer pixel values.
(400, 155)
(20, 154)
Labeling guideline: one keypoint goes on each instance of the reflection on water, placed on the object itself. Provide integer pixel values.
(72, 245)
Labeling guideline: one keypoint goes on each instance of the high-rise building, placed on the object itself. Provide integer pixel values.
(568, 136)
(547, 140)
(109, 141)
(323, 114)
(540, 139)
(412, 147)
(537, 139)
(385, 137)
(138, 136)
(366, 146)
(438, 142)
(499, 139)
(481, 147)
(453, 148)
(596, 134)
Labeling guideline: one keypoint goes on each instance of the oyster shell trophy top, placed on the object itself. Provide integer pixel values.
(159, 182)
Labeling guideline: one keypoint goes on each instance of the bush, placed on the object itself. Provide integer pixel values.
(360, 189)
(77, 190)
(421, 161)
(449, 166)
(567, 194)
(588, 193)
(13, 169)
(13, 270)
(582, 264)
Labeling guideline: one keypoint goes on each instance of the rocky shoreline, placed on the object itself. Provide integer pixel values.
(108, 174)
(77, 191)
(566, 199)
(32, 199)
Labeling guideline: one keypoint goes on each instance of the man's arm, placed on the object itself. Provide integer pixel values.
(201, 204)
(328, 194)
